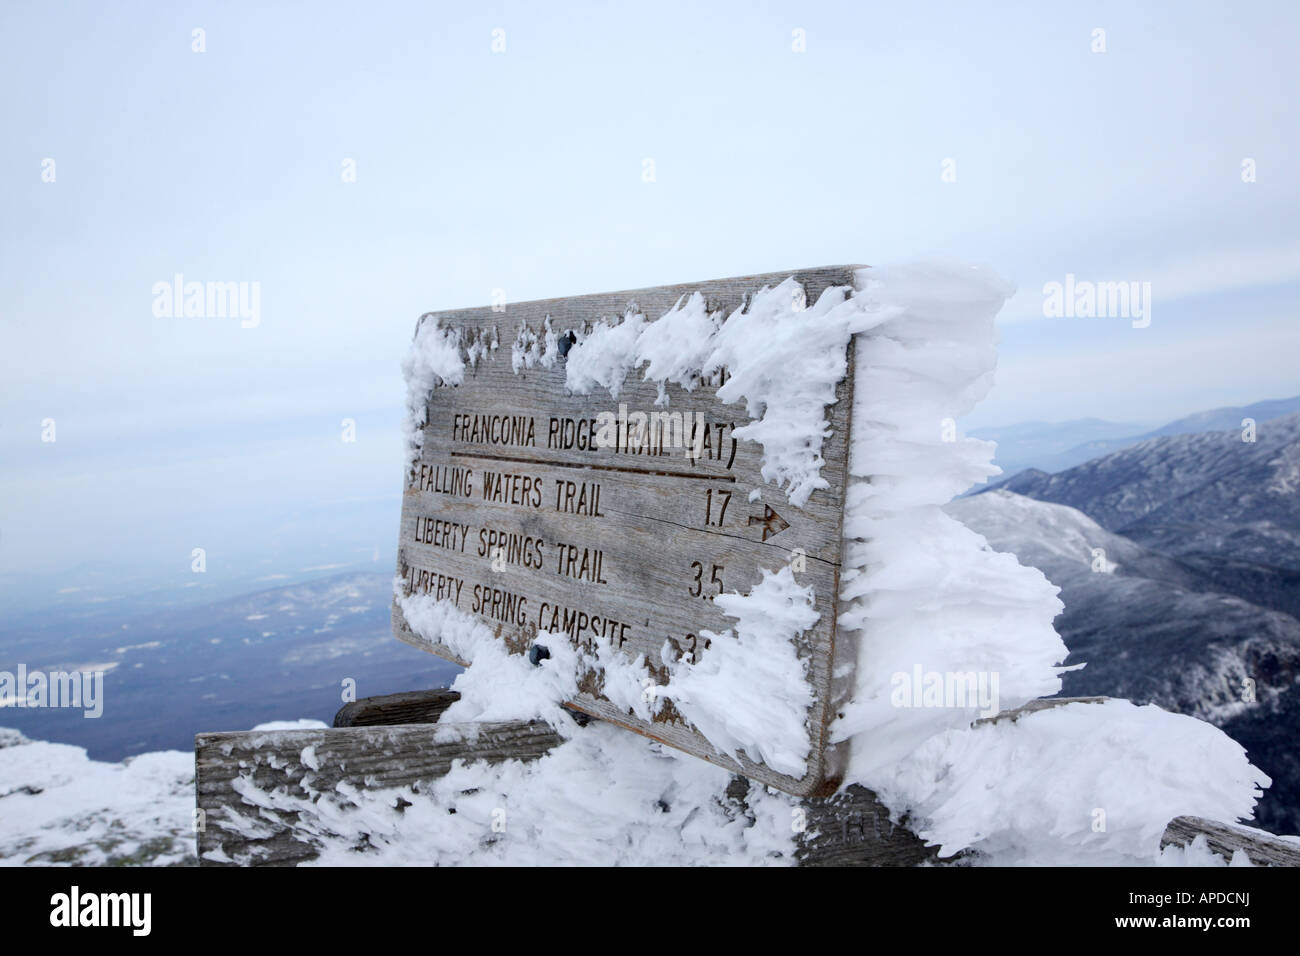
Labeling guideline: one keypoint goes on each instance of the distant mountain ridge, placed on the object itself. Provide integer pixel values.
(1054, 447)
(1035, 444)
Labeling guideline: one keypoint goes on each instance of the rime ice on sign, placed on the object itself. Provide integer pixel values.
(651, 477)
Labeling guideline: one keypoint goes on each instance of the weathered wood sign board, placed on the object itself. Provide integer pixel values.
(628, 544)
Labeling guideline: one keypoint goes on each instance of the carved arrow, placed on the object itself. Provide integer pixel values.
(772, 522)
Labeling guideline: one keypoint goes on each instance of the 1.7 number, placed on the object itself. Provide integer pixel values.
(719, 505)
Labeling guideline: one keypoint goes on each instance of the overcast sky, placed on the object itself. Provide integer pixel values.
(523, 170)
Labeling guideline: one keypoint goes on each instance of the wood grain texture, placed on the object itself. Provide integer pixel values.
(661, 545)
(1225, 839)
(300, 765)
(853, 828)
(848, 828)
(408, 707)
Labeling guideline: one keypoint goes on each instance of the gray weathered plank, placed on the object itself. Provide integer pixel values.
(663, 545)
(305, 763)
(1225, 839)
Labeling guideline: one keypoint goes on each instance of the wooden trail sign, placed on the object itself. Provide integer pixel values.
(518, 516)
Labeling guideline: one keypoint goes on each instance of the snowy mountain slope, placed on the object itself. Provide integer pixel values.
(1184, 479)
(1152, 629)
(1225, 507)
(59, 807)
(236, 663)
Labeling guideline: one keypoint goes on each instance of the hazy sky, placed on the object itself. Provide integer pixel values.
(523, 170)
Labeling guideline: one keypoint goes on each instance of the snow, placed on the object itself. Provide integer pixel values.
(58, 806)
(495, 685)
(605, 797)
(604, 356)
(919, 588)
(434, 359)
(1085, 784)
(750, 692)
(784, 362)
(530, 350)
(677, 347)
(303, 724)
(1198, 853)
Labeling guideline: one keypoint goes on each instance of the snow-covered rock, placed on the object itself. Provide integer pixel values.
(58, 806)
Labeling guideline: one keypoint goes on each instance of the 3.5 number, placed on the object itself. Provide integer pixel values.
(715, 578)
